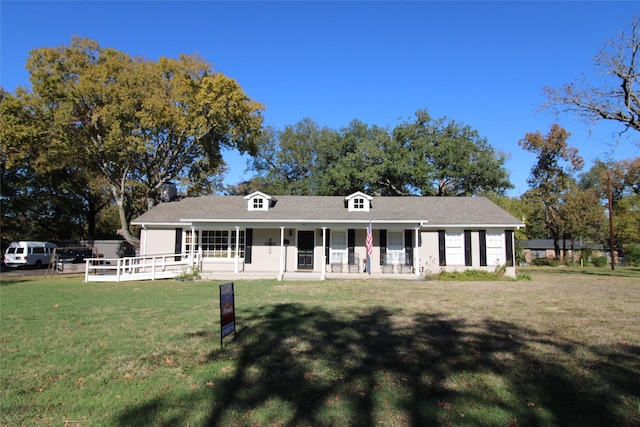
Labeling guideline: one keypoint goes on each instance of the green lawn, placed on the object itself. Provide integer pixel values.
(560, 350)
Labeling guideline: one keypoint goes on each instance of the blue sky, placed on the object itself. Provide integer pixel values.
(483, 64)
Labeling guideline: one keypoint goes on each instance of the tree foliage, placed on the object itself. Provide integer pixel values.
(624, 176)
(550, 181)
(424, 157)
(136, 123)
(616, 98)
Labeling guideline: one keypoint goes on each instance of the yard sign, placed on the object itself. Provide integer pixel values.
(227, 312)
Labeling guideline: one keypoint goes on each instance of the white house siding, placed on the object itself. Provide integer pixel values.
(157, 241)
(455, 259)
(265, 252)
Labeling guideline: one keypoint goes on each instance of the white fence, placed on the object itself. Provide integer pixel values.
(149, 267)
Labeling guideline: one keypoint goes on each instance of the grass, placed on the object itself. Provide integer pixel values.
(560, 350)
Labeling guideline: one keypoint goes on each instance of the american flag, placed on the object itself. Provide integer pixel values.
(369, 241)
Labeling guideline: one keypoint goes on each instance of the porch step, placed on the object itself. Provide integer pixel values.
(301, 275)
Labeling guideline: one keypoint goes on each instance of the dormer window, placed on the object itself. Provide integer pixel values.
(258, 201)
(358, 202)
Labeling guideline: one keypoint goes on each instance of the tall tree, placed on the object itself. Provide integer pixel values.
(616, 98)
(451, 159)
(624, 177)
(287, 160)
(138, 123)
(424, 157)
(44, 195)
(550, 177)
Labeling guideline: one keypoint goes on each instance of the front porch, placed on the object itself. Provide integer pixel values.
(304, 275)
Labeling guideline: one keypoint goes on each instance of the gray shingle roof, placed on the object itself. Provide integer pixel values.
(435, 211)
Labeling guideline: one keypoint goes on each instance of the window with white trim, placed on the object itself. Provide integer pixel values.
(358, 203)
(338, 247)
(258, 203)
(220, 244)
(191, 240)
(454, 243)
(395, 247)
(495, 249)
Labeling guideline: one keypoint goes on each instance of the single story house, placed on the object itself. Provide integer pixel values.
(533, 249)
(328, 235)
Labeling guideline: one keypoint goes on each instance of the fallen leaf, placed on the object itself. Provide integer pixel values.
(128, 376)
(531, 404)
(444, 405)
(168, 361)
(56, 306)
(210, 384)
(79, 322)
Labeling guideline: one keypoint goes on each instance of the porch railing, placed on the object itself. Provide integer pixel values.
(150, 267)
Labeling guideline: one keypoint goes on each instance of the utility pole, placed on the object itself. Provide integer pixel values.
(611, 239)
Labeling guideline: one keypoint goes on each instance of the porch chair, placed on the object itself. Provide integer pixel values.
(387, 264)
(336, 263)
(354, 262)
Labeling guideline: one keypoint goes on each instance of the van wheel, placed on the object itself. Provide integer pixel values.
(38, 264)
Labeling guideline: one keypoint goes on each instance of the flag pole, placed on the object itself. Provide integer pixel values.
(369, 246)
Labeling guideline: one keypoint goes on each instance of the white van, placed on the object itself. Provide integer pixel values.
(34, 254)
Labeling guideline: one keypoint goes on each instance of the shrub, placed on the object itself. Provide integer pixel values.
(523, 276)
(599, 261)
(467, 276)
(586, 255)
(632, 254)
(545, 262)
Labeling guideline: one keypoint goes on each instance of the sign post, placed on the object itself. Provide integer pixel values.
(227, 312)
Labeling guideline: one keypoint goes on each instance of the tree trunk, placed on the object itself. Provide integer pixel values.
(124, 231)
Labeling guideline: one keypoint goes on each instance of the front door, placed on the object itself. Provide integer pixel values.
(305, 250)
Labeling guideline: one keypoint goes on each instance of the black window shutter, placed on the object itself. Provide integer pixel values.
(483, 247)
(351, 245)
(248, 245)
(508, 235)
(178, 243)
(327, 246)
(383, 246)
(467, 248)
(408, 247)
(442, 248)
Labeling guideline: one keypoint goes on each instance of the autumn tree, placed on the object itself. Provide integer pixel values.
(139, 124)
(616, 97)
(550, 179)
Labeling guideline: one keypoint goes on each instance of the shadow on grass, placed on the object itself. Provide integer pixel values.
(301, 365)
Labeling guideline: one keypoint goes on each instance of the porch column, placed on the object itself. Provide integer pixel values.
(281, 269)
(323, 272)
(192, 248)
(416, 255)
(237, 249)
